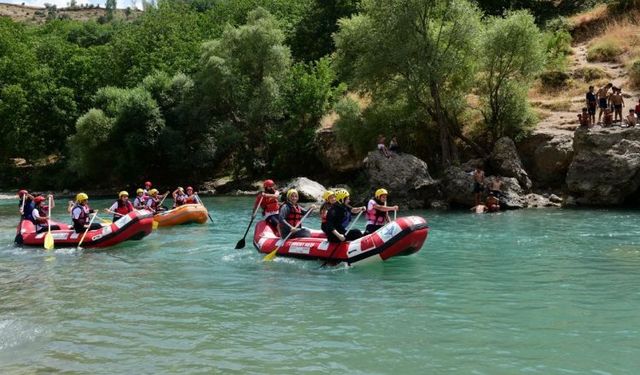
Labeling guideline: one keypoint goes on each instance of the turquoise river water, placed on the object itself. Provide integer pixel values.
(530, 291)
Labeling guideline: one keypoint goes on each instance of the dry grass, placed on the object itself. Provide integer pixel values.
(598, 13)
(31, 14)
(555, 105)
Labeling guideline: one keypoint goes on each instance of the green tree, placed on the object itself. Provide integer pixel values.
(421, 51)
(512, 54)
(240, 83)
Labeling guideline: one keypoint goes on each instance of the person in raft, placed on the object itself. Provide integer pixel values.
(179, 197)
(80, 214)
(191, 196)
(121, 207)
(39, 214)
(141, 200)
(329, 198)
(338, 218)
(269, 204)
(153, 201)
(290, 215)
(25, 204)
(378, 211)
(147, 187)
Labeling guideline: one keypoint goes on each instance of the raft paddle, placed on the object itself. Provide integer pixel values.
(163, 198)
(241, 243)
(48, 238)
(345, 235)
(24, 198)
(205, 207)
(86, 230)
(269, 257)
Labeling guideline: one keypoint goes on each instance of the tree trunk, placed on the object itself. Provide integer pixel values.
(448, 148)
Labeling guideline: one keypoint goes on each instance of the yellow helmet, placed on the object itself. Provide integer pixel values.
(81, 197)
(123, 194)
(180, 189)
(341, 195)
(153, 192)
(290, 192)
(380, 192)
(140, 190)
(327, 194)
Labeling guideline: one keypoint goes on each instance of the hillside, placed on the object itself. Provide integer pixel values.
(605, 48)
(38, 15)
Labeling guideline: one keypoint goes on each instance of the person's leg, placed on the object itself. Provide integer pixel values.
(353, 234)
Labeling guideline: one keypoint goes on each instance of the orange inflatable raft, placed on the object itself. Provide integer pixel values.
(185, 214)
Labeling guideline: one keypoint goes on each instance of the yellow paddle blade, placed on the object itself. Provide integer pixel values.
(48, 241)
(105, 221)
(155, 225)
(271, 256)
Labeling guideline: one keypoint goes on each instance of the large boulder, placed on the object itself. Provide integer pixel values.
(336, 156)
(505, 161)
(605, 168)
(405, 176)
(308, 190)
(547, 157)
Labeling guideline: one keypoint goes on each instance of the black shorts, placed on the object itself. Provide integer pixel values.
(477, 187)
(618, 107)
(603, 103)
(592, 108)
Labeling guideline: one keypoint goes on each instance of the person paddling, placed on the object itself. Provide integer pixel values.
(179, 197)
(80, 214)
(121, 207)
(39, 215)
(191, 197)
(140, 201)
(338, 218)
(329, 198)
(268, 201)
(25, 204)
(378, 211)
(153, 201)
(290, 216)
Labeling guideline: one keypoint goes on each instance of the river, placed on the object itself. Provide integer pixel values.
(529, 291)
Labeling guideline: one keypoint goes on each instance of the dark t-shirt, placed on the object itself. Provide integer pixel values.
(591, 98)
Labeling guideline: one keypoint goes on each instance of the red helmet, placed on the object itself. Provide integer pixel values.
(189, 188)
(268, 183)
(39, 199)
(148, 183)
(22, 192)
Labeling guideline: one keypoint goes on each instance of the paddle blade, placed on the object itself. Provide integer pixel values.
(155, 225)
(271, 256)
(48, 241)
(240, 244)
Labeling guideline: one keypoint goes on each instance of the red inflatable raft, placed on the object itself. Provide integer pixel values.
(400, 237)
(133, 226)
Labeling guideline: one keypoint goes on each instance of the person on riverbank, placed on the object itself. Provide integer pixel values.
(603, 99)
(140, 201)
(492, 203)
(479, 209)
(329, 198)
(25, 204)
(290, 216)
(121, 207)
(608, 118)
(495, 187)
(339, 217)
(382, 147)
(592, 104)
(632, 118)
(393, 145)
(40, 214)
(478, 183)
(269, 202)
(617, 101)
(80, 213)
(583, 119)
(179, 197)
(378, 211)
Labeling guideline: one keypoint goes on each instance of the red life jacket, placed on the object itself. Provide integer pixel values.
(295, 215)
(124, 209)
(374, 216)
(269, 206)
(190, 200)
(324, 210)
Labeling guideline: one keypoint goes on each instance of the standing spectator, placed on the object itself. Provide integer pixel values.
(603, 96)
(382, 147)
(478, 183)
(393, 145)
(592, 103)
(617, 101)
(638, 107)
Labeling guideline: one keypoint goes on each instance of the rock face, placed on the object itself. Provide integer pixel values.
(335, 155)
(505, 161)
(547, 157)
(605, 168)
(308, 190)
(405, 177)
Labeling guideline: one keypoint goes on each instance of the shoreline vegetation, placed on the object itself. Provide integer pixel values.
(273, 88)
